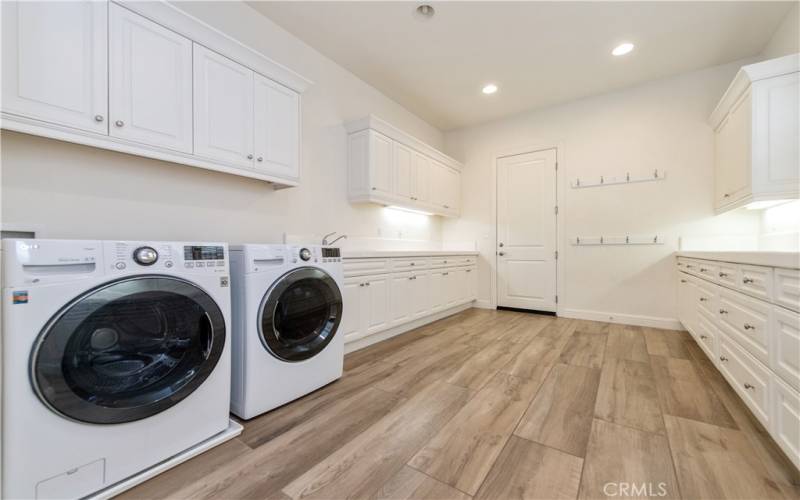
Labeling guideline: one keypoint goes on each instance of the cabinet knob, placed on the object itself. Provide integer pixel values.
(447, 206)
(374, 188)
(683, 281)
(469, 270)
(367, 283)
(703, 269)
(747, 280)
(361, 284)
(501, 246)
(723, 311)
(703, 337)
(260, 158)
(723, 359)
(703, 299)
(501, 253)
(723, 275)
(249, 157)
(119, 123)
(689, 266)
(98, 118)
(726, 195)
(749, 386)
(413, 263)
(748, 326)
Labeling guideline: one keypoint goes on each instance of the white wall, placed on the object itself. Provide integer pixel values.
(659, 125)
(786, 39)
(70, 191)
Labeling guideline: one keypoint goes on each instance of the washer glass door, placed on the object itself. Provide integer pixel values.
(127, 350)
(300, 314)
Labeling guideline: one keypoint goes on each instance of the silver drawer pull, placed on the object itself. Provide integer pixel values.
(749, 386)
(748, 326)
(689, 266)
(723, 359)
(703, 299)
(703, 337)
(366, 284)
(683, 281)
(723, 275)
(747, 280)
(703, 269)
(723, 311)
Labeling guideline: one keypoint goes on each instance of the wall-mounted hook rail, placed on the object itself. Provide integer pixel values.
(604, 180)
(617, 240)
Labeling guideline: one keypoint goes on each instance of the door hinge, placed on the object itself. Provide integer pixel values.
(556, 254)
(556, 209)
(556, 299)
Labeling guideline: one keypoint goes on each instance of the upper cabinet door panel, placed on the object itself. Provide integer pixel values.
(55, 62)
(733, 153)
(223, 108)
(151, 82)
(421, 177)
(403, 164)
(277, 128)
(380, 162)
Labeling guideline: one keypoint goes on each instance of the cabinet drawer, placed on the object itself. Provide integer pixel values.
(408, 264)
(785, 349)
(360, 267)
(749, 378)
(785, 418)
(727, 274)
(756, 281)
(747, 321)
(446, 261)
(787, 288)
(690, 266)
(708, 270)
(706, 335)
(706, 296)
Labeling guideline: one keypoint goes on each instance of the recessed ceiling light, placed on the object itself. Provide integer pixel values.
(425, 11)
(622, 49)
(490, 88)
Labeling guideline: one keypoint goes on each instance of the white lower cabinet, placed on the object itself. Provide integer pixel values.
(752, 338)
(375, 300)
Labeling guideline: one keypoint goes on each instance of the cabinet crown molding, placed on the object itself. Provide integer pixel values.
(176, 19)
(372, 122)
(746, 76)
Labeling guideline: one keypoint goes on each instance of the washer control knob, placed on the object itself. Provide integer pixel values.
(146, 256)
(120, 265)
(305, 254)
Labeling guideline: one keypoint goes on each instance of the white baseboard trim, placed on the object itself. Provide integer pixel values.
(393, 332)
(233, 430)
(484, 304)
(625, 319)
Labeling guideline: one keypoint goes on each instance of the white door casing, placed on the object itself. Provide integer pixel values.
(526, 231)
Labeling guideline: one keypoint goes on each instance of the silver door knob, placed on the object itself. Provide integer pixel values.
(260, 158)
(249, 157)
(119, 123)
(98, 118)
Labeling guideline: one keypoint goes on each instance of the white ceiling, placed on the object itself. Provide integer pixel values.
(538, 53)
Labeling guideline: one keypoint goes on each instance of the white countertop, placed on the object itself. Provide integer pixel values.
(772, 259)
(363, 254)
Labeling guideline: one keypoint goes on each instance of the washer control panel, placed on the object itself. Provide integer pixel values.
(128, 256)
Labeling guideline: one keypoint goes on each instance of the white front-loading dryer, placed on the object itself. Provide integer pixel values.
(116, 358)
(287, 306)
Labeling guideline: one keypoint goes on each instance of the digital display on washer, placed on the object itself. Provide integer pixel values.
(203, 253)
(330, 252)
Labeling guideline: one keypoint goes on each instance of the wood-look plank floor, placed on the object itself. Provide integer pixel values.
(502, 405)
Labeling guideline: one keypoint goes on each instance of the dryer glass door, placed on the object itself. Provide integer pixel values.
(127, 350)
(300, 314)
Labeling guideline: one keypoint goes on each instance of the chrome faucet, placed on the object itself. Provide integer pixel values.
(325, 238)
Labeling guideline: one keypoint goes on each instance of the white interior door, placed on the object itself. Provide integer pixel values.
(526, 231)
(151, 82)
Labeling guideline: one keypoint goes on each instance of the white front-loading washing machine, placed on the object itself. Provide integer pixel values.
(115, 358)
(287, 306)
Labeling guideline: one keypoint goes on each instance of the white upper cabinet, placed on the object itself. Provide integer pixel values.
(150, 82)
(277, 128)
(223, 106)
(55, 57)
(390, 167)
(146, 79)
(756, 126)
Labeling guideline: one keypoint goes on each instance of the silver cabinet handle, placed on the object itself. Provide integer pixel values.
(703, 337)
(119, 123)
(366, 284)
(249, 157)
(703, 269)
(445, 274)
(374, 188)
(723, 275)
(747, 280)
(689, 266)
(723, 359)
(749, 386)
(361, 284)
(98, 118)
(703, 299)
(726, 195)
(413, 263)
(683, 281)
(748, 326)
(469, 270)
(446, 206)
(501, 246)
(723, 311)
(260, 158)
(501, 253)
